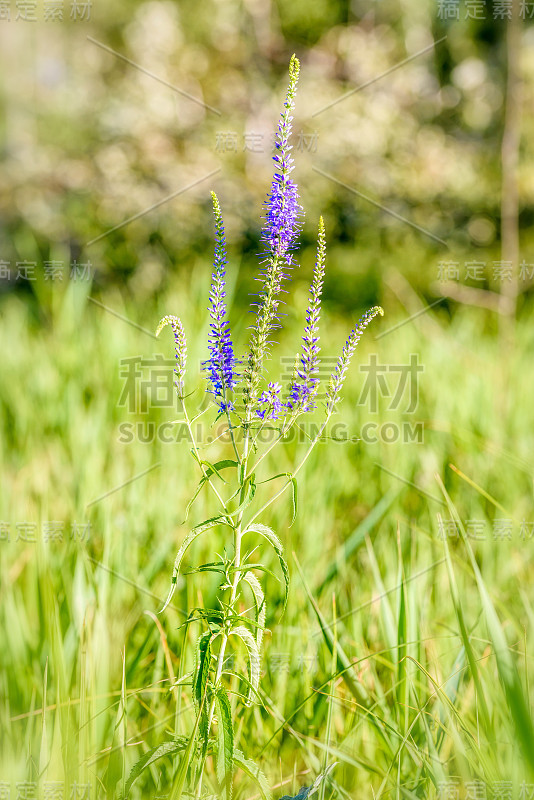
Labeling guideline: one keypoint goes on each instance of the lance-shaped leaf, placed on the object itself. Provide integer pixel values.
(294, 486)
(202, 668)
(259, 601)
(165, 749)
(253, 658)
(212, 469)
(200, 685)
(273, 539)
(250, 491)
(254, 773)
(225, 743)
(197, 531)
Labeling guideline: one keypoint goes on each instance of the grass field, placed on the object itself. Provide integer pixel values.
(405, 653)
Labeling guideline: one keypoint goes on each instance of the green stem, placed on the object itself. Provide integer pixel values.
(263, 455)
(195, 450)
(281, 433)
(230, 426)
(293, 474)
(233, 594)
(263, 424)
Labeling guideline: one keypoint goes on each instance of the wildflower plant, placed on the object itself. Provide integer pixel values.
(247, 402)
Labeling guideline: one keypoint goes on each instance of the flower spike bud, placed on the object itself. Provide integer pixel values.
(305, 382)
(180, 349)
(338, 376)
(221, 363)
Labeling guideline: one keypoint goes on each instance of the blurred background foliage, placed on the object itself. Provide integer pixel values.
(89, 141)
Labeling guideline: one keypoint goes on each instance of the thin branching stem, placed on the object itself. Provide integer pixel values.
(293, 474)
(233, 592)
(198, 459)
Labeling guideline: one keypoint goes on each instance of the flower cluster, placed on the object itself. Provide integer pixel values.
(270, 400)
(279, 235)
(222, 363)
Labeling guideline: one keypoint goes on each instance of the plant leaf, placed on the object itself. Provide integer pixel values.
(203, 660)
(200, 685)
(357, 537)
(253, 657)
(259, 600)
(204, 526)
(273, 539)
(185, 761)
(197, 492)
(212, 469)
(249, 496)
(167, 748)
(294, 487)
(254, 772)
(216, 468)
(225, 746)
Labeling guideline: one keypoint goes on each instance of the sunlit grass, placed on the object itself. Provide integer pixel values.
(432, 645)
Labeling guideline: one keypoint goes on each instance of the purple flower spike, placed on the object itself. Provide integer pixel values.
(279, 236)
(221, 364)
(283, 209)
(283, 212)
(273, 406)
(305, 381)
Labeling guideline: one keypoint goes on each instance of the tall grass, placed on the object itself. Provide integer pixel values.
(431, 644)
